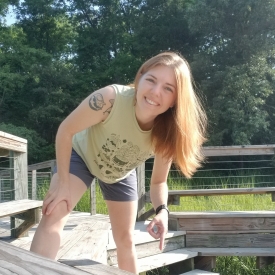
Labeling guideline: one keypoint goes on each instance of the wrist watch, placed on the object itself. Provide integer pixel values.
(163, 206)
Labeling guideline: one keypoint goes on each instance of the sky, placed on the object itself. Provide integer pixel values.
(10, 18)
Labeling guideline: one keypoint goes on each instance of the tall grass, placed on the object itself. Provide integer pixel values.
(224, 265)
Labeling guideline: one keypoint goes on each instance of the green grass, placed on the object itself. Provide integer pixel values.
(224, 265)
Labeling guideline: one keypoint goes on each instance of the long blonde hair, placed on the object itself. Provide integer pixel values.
(178, 133)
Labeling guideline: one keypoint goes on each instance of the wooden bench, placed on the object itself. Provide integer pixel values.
(26, 210)
(174, 195)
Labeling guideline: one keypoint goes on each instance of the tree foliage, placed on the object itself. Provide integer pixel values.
(233, 67)
(58, 52)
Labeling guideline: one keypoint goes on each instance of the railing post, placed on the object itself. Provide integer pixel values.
(20, 185)
(93, 197)
(20, 176)
(34, 185)
(12, 175)
(141, 190)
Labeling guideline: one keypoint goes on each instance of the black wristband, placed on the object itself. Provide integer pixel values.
(163, 206)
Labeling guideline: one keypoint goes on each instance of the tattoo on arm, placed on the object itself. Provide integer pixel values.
(110, 109)
(96, 102)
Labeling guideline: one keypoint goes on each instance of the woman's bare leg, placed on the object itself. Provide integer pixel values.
(123, 218)
(47, 238)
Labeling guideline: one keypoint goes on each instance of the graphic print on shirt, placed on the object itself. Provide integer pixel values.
(119, 155)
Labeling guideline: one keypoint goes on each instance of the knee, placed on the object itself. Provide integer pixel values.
(125, 240)
(57, 218)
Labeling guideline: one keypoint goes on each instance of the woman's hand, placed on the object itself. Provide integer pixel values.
(158, 227)
(58, 192)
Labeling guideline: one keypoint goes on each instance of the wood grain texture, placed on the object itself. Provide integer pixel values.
(205, 251)
(163, 259)
(231, 240)
(14, 260)
(222, 214)
(245, 224)
(226, 191)
(15, 207)
(151, 248)
(88, 240)
(92, 266)
(12, 143)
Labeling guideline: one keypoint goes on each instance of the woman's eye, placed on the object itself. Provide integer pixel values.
(169, 89)
(150, 80)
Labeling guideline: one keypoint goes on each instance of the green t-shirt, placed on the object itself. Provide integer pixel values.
(113, 148)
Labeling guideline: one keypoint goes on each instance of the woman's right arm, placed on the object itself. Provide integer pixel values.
(93, 110)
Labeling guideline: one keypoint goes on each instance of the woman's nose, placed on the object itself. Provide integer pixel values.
(156, 89)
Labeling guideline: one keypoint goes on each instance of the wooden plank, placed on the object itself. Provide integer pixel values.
(93, 197)
(163, 259)
(226, 191)
(229, 251)
(93, 266)
(150, 248)
(229, 232)
(141, 235)
(13, 143)
(14, 260)
(221, 223)
(20, 176)
(242, 150)
(15, 207)
(41, 165)
(141, 192)
(222, 214)
(34, 184)
(199, 272)
(28, 218)
(226, 241)
(87, 240)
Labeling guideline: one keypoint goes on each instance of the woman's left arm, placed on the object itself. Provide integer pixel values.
(159, 196)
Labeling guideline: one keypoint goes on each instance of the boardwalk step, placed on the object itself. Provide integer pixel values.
(199, 272)
(147, 245)
(88, 240)
(205, 251)
(15, 207)
(213, 240)
(163, 259)
(226, 229)
(17, 261)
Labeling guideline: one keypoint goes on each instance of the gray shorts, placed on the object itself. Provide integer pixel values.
(124, 190)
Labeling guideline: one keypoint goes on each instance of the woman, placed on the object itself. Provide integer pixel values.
(113, 131)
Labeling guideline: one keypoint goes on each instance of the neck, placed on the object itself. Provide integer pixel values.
(144, 122)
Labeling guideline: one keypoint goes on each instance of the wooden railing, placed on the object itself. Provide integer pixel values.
(23, 213)
(212, 151)
(16, 151)
(174, 195)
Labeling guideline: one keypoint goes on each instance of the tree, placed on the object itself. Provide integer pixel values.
(232, 68)
(46, 26)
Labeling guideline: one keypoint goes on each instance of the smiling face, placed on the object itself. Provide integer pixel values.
(156, 92)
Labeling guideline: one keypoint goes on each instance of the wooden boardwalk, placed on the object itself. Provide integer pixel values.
(87, 239)
(75, 219)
